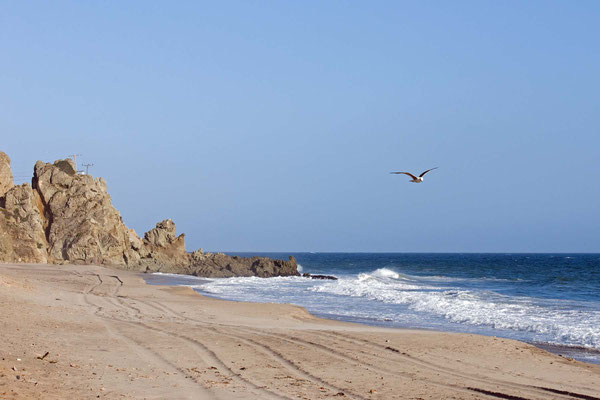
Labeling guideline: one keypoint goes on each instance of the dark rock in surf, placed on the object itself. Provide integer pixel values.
(311, 276)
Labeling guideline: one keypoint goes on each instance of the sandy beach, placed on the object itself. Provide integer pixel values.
(92, 332)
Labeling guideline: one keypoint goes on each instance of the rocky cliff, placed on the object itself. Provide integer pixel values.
(6, 176)
(65, 217)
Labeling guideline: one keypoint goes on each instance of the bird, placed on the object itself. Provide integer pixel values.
(415, 179)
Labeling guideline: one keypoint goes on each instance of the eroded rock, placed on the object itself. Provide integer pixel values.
(83, 225)
(6, 176)
(22, 236)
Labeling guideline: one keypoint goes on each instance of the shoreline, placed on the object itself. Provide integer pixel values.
(580, 353)
(108, 334)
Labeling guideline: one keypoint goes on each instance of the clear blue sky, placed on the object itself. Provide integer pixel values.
(273, 125)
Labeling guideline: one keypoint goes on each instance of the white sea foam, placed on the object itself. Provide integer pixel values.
(168, 274)
(179, 276)
(383, 273)
(560, 321)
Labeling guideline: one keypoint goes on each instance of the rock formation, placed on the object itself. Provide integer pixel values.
(6, 176)
(224, 266)
(64, 217)
(22, 237)
(162, 250)
(82, 226)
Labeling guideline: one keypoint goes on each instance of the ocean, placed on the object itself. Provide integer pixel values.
(550, 300)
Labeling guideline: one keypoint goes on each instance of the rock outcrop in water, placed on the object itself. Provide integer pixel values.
(64, 217)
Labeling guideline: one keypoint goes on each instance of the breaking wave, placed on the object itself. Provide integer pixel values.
(559, 321)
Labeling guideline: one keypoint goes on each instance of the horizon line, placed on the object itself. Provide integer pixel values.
(405, 252)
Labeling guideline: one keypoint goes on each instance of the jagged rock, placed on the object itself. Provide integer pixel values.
(69, 218)
(163, 235)
(167, 254)
(163, 250)
(84, 227)
(22, 236)
(134, 239)
(6, 176)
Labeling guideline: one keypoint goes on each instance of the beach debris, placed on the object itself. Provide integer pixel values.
(44, 356)
(14, 368)
(340, 394)
(372, 391)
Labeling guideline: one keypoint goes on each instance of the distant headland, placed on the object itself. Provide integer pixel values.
(63, 217)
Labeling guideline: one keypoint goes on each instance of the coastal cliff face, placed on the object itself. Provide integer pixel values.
(64, 217)
(6, 176)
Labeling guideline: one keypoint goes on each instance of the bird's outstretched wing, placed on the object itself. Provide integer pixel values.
(423, 174)
(405, 173)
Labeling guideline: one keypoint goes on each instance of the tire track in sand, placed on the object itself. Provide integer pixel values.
(191, 388)
(402, 357)
(205, 353)
(270, 352)
(341, 356)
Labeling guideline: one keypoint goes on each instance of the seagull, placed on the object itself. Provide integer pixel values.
(415, 179)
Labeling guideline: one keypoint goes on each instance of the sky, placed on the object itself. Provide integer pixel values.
(273, 125)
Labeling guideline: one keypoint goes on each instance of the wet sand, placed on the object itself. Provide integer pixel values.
(92, 332)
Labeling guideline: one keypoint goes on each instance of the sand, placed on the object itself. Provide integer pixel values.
(79, 332)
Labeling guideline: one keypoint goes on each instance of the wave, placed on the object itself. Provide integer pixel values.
(386, 273)
(564, 322)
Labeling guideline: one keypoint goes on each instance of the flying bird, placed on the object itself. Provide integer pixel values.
(415, 179)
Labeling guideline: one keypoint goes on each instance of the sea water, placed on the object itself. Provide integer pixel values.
(551, 300)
